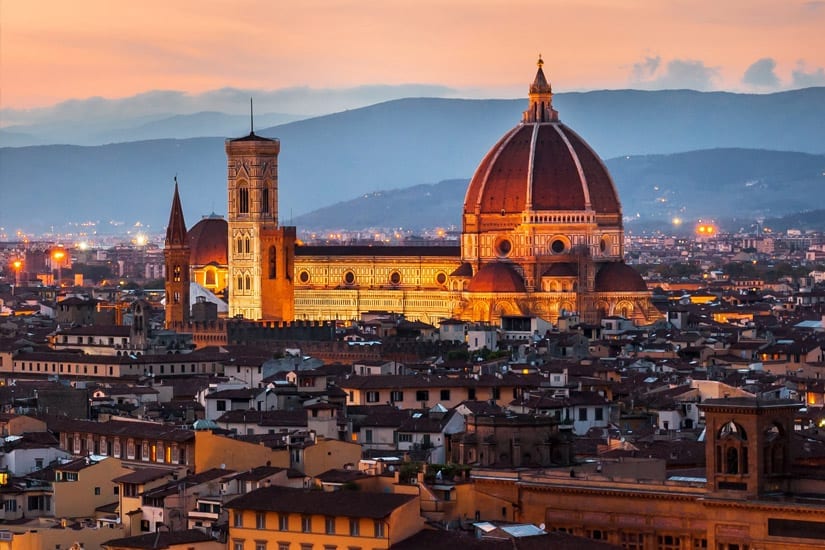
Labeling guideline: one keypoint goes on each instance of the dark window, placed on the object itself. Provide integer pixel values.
(796, 528)
(422, 395)
(273, 269)
(265, 200)
(243, 200)
(582, 414)
(445, 395)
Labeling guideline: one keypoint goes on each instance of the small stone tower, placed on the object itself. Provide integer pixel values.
(748, 446)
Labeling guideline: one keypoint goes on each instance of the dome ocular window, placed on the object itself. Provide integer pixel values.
(303, 276)
(503, 247)
(395, 278)
(558, 246)
(441, 278)
(604, 244)
(349, 277)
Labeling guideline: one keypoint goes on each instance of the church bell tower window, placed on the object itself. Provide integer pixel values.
(243, 200)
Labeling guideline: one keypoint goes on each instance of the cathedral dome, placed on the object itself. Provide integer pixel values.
(208, 241)
(541, 165)
(497, 277)
(619, 277)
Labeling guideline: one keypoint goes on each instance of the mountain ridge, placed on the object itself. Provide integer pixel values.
(390, 145)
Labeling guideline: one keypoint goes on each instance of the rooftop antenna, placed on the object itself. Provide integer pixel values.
(251, 119)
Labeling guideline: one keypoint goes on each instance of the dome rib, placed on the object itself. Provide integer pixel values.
(575, 157)
(490, 160)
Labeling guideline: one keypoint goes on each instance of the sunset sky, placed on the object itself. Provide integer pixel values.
(55, 50)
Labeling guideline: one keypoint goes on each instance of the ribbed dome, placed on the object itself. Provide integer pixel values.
(541, 165)
(497, 277)
(208, 241)
(619, 277)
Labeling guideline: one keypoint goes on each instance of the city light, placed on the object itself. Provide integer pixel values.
(58, 256)
(705, 229)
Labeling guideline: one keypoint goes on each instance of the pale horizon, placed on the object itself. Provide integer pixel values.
(53, 52)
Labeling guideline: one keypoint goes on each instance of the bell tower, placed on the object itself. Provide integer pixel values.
(176, 256)
(747, 447)
(261, 252)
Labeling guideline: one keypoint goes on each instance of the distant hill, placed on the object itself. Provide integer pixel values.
(394, 145)
(203, 124)
(720, 184)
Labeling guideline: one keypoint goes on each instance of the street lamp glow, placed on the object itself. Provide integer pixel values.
(58, 255)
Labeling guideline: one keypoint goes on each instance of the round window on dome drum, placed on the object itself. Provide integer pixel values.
(349, 277)
(395, 278)
(303, 277)
(503, 247)
(603, 244)
(441, 278)
(558, 246)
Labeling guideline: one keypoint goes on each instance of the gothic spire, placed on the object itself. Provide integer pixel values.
(176, 230)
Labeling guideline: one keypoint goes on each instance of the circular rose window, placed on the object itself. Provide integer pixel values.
(349, 277)
(395, 278)
(303, 276)
(558, 246)
(503, 247)
(441, 278)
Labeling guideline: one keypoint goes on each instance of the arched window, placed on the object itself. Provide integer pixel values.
(273, 270)
(247, 247)
(210, 278)
(248, 282)
(176, 274)
(265, 200)
(243, 200)
(176, 297)
(240, 282)
(239, 245)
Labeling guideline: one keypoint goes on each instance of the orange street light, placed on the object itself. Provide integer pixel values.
(59, 255)
(17, 264)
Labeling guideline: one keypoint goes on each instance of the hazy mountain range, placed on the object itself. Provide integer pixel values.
(413, 142)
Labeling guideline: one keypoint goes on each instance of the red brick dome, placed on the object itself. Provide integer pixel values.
(208, 241)
(497, 277)
(619, 277)
(541, 165)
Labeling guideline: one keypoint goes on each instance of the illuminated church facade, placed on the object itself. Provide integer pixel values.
(542, 235)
